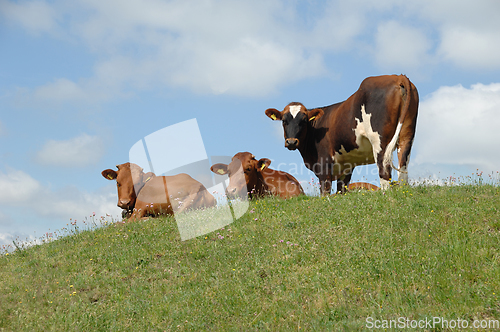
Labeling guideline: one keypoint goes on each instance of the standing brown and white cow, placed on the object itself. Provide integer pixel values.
(252, 177)
(365, 129)
(144, 194)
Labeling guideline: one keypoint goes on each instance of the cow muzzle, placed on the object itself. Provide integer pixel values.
(291, 143)
(234, 192)
(124, 203)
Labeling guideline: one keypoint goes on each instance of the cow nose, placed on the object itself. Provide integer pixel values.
(291, 143)
(124, 203)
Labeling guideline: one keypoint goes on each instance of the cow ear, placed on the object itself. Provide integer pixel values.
(315, 114)
(147, 176)
(273, 113)
(262, 164)
(109, 174)
(220, 169)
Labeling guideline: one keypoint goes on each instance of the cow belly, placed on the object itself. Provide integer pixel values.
(363, 155)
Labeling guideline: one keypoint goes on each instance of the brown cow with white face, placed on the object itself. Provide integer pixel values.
(145, 194)
(365, 129)
(252, 177)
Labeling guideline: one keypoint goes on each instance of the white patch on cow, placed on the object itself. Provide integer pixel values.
(365, 131)
(368, 142)
(294, 110)
(384, 184)
(392, 146)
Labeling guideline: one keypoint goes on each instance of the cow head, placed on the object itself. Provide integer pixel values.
(244, 173)
(130, 179)
(295, 118)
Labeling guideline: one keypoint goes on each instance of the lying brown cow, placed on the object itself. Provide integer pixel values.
(145, 194)
(248, 176)
(362, 186)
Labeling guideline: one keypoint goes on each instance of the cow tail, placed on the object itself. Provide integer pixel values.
(405, 85)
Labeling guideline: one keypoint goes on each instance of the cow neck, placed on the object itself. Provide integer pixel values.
(308, 151)
(261, 187)
(139, 188)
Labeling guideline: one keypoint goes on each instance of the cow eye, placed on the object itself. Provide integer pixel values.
(248, 169)
(285, 122)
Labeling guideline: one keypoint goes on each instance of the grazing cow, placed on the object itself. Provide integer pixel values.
(365, 129)
(145, 194)
(252, 177)
(362, 186)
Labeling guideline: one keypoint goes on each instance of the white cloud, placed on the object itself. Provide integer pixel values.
(224, 47)
(17, 187)
(79, 151)
(60, 90)
(399, 46)
(34, 16)
(457, 125)
(468, 34)
(253, 48)
(210, 47)
(21, 192)
(469, 47)
(72, 203)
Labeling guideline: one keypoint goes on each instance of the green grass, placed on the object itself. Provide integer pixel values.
(305, 264)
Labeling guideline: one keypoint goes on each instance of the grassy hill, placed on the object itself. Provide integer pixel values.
(311, 263)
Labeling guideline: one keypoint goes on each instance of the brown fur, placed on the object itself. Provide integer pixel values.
(325, 131)
(157, 195)
(253, 177)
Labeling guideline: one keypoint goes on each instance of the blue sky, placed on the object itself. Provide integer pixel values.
(82, 82)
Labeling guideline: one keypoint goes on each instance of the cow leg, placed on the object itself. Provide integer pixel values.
(325, 183)
(138, 214)
(384, 171)
(343, 181)
(404, 151)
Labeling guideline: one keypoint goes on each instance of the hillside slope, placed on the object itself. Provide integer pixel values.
(311, 263)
